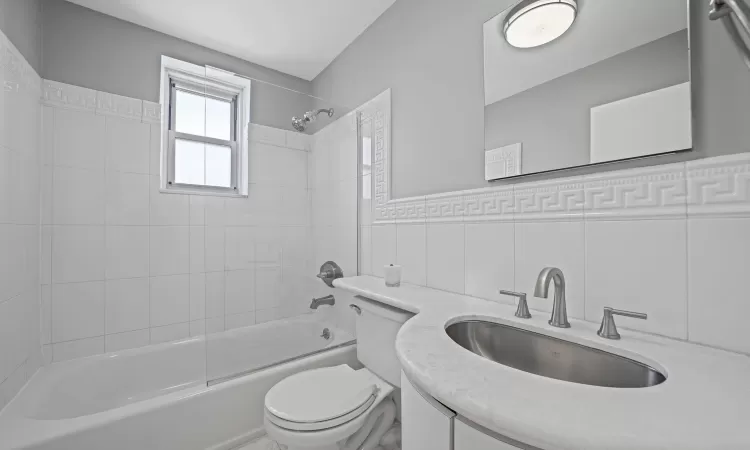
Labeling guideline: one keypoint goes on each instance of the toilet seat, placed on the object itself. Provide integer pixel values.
(322, 398)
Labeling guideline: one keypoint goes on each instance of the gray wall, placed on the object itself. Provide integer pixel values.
(553, 120)
(430, 53)
(20, 21)
(86, 48)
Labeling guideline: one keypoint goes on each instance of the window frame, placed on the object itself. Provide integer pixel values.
(214, 83)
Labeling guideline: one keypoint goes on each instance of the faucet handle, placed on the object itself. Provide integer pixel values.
(608, 329)
(523, 307)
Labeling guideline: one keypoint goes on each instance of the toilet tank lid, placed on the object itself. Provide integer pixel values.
(321, 394)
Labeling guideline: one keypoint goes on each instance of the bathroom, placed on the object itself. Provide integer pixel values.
(381, 225)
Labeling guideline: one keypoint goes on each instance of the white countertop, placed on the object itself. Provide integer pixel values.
(704, 403)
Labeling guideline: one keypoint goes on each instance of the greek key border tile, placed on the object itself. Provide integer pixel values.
(649, 192)
(719, 187)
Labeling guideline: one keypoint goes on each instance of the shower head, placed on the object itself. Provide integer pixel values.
(300, 123)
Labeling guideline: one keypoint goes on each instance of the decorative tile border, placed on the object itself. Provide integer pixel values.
(489, 204)
(719, 187)
(649, 192)
(560, 199)
(151, 112)
(18, 73)
(61, 95)
(279, 137)
(711, 187)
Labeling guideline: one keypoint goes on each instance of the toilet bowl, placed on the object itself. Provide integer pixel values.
(339, 408)
(333, 408)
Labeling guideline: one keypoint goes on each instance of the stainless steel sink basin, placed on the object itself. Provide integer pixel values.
(550, 357)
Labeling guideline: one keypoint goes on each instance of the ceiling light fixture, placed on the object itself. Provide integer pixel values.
(532, 23)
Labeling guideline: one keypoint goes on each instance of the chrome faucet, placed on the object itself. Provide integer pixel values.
(559, 312)
(327, 300)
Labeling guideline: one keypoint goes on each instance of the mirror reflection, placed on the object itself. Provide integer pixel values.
(572, 83)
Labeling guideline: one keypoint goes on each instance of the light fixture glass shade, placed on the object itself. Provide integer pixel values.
(537, 22)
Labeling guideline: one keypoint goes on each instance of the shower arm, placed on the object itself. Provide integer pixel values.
(723, 9)
(328, 112)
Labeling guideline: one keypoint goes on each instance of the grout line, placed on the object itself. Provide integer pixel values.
(687, 278)
(150, 179)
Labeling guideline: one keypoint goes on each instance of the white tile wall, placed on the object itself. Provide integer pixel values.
(490, 257)
(445, 257)
(640, 264)
(718, 267)
(127, 252)
(384, 247)
(671, 241)
(20, 190)
(411, 252)
(127, 305)
(125, 265)
(77, 311)
(127, 201)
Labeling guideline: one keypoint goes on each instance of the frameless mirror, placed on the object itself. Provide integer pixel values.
(571, 83)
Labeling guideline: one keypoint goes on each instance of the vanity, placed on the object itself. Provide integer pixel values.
(476, 377)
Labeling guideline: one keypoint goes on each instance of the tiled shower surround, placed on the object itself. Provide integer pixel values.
(20, 354)
(672, 241)
(125, 265)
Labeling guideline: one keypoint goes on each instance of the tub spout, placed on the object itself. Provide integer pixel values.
(327, 300)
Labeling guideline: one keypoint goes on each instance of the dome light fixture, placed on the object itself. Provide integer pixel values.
(532, 23)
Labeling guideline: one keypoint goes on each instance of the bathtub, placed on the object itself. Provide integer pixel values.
(200, 393)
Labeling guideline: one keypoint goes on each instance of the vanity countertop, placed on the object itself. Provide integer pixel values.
(704, 403)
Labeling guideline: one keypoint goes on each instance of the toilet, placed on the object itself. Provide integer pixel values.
(340, 408)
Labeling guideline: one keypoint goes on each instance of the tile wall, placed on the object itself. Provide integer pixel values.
(125, 265)
(672, 241)
(20, 354)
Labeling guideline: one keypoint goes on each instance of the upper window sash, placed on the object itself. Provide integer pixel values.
(219, 95)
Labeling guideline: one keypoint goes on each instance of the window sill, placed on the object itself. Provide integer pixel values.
(200, 192)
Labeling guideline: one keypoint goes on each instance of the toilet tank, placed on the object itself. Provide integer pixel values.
(377, 326)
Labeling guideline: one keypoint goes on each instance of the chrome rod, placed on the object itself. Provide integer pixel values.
(732, 12)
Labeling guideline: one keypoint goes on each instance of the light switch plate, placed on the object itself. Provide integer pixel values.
(503, 162)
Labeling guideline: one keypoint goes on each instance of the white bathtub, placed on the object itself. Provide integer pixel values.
(157, 397)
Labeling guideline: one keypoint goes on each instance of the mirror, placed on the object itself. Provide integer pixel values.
(571, 83)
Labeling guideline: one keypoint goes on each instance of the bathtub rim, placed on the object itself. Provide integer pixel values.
(246, 373)
(22, 430)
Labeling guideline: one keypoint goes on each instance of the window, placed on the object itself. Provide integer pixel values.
(204, 145)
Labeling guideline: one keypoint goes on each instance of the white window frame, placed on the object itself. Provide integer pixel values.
(210, 82)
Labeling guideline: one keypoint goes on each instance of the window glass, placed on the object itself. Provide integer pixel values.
(190, 113)
(189, 162)
(218, 119)
(218, 166)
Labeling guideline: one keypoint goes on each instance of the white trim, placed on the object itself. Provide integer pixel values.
(220, 80)
(711, 187)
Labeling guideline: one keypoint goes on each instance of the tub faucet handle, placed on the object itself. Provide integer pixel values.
(329, 272)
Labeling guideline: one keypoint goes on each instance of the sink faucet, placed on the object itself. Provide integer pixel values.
(559, 312)
(327, 300)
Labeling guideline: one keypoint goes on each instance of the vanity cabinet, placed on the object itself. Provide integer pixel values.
(426, 423)
(466, 437)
